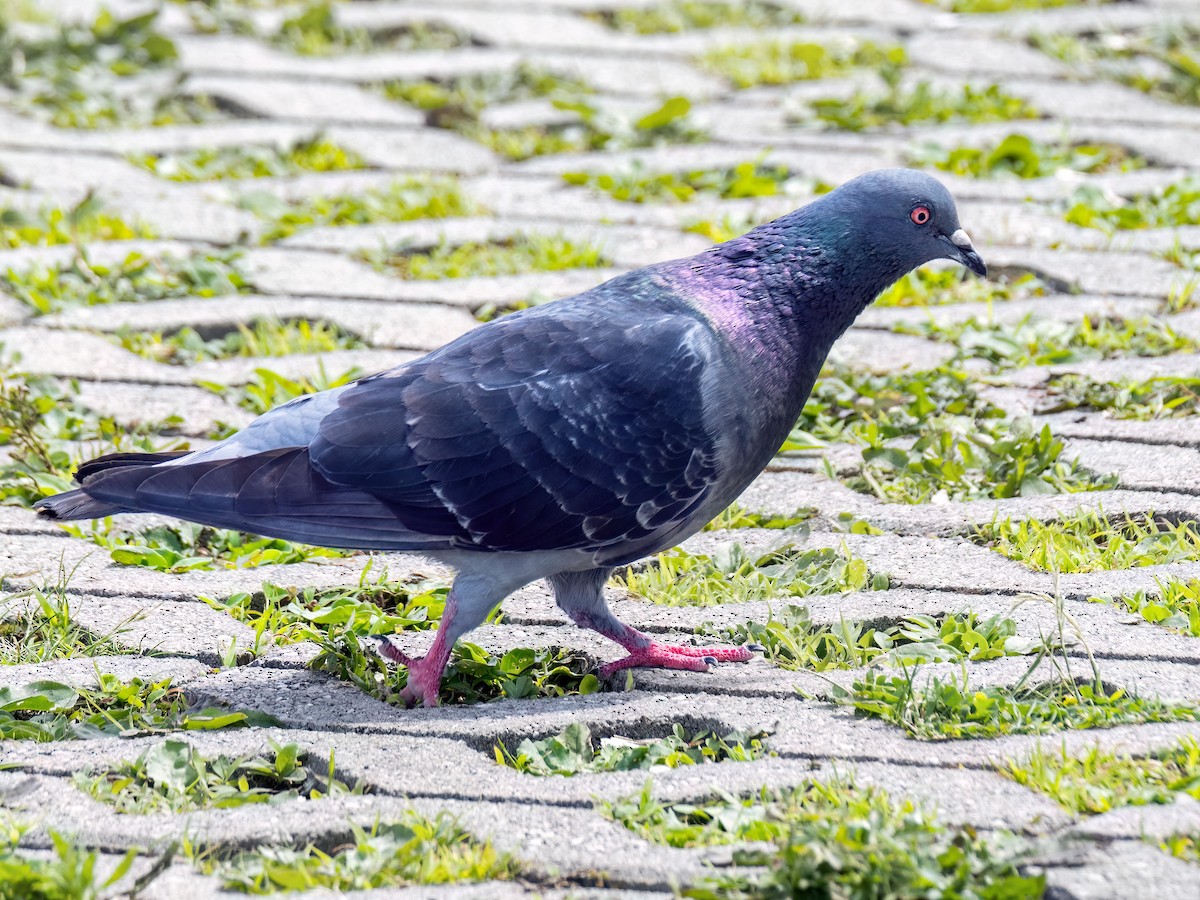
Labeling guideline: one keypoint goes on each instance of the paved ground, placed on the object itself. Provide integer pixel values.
(440, 759)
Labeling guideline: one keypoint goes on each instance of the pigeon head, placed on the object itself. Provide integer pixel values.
(902, 219)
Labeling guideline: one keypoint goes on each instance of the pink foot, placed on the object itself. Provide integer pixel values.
(424, 674)
(668, 656)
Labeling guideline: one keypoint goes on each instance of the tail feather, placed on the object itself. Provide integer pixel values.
(113, 460)
(76, 505)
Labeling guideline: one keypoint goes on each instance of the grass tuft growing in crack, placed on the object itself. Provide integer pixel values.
(636, 184)
(49, 226)
(676, 16)
(403, 200)
(51, 711)
(780, 62)
(80, 281)
(1020, 156)
(518, 255)
(413, 850)
(261, 337)
(1174, 605)
(732, 575)
(68, 872)
(737, 516)
(175, 777)
(1099, 780)
(37, 626)
(1171, 206)
(940, 287)
(573, 751)
(1091, 542)
(1161, 397)
(316, 154)
(268, 389)
(791, 640)
(831, 839)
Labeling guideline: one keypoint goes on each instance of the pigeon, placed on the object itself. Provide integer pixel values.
(565, 441)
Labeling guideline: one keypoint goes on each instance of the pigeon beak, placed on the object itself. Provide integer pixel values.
(964, 252)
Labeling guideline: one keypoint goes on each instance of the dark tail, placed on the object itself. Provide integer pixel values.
(78, 505)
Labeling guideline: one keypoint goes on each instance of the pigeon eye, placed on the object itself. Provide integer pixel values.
(920, 215)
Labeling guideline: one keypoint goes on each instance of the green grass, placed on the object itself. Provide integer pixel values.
(47, 433)
(1020, 156)
(53, 225)
(314, 30)
(1044, 342)
(1171, 206)
(413, 850)
(999, 6)
(635, 184)
(731, 575)
(791, 640)
(458, 104)
(402, 201)
(779, 62)
(953, 708)
(1161, 60)
(269, 389)
(737, 516)
(573, 751)
(1101, 780)
(1183, 846)
(80, 281)
(1175, 605)
(378, 606)
(729, 226)
(923, 103)
(188, 547)
(832, 839)
(473, 676)
(43, 629)
(262, 337)
(51, 711)
(317, 154)
(1161, 397)
(1090, 542)
(173, 776)
(689, 15)
(70, 872)
(517, 255)
(103, 74)
(940, 287)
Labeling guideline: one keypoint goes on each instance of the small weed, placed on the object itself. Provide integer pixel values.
(748, 179)
(731, 575)
(1021, 156)
(1161, 397)
(791, 640)
(53, 287)
(1166, 207)
(50, 711)
(922, 103)
(513, 256)
(1089, 542)
(402, 201)
(1101, 780)
(458, 102)
(777, 62)
(51, 225)
(1175, 605)
(737, 516)
(952, 708)
(269, 389)
(1162, 60)
(105, 74)
(290, 614)
(998, 6)
(317, 154)
(687, 15)
(729, 227)
(262, 337)
(175, 777)
(69, 873)
(1045, 342)
(573, 751)
(44, 629)
(473, 676)
(940, 287)
(832, 839)
(189, 547)
(315, 31)
(414, 850)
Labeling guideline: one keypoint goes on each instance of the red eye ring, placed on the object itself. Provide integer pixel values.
(921, 215)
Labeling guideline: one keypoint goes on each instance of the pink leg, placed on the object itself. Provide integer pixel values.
(424, 673)
(581, 595)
